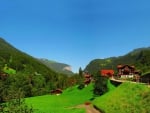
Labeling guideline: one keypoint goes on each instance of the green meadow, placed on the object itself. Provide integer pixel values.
(126, 98)
(63, 103)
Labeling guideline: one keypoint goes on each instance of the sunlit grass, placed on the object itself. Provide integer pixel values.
(127, 98)
(62, 103)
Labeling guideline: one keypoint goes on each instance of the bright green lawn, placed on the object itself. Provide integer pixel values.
(62, 103)
(127, 98)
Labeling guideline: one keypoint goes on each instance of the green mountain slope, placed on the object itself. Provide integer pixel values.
(21, 61)
(140, 58)
(26, 74)
(58, 67)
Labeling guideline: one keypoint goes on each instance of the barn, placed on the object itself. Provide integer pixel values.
(56, 92)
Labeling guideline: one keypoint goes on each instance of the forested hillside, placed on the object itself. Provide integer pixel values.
(140, 58)
(23, 73)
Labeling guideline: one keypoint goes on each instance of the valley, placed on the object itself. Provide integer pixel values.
(24, 77)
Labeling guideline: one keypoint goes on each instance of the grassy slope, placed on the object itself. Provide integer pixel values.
(127, 98)
(110, 86)
(60, 104)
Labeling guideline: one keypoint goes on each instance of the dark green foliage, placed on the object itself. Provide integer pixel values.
(80, 72)
(81, 86)
(145, 78)
(15, 104)
(140, 58)
(100, 86)
(115, 83)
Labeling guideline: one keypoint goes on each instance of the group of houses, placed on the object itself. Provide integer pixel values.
(123, 72)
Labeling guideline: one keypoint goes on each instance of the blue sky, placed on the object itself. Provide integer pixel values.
(75, 31)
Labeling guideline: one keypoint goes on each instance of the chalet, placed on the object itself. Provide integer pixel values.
(107, 72)
(126, 71)
(87, 78)
(56, 92)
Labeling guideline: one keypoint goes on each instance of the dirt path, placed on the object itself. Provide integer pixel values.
(89, 108)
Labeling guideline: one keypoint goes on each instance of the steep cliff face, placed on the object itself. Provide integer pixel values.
(58, 67)
(67, 68)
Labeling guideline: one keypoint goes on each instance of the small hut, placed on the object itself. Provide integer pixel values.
(56, 92)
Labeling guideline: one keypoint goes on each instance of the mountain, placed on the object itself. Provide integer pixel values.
(139, 57)
(58, 67)
(22, 72)
(19, 60)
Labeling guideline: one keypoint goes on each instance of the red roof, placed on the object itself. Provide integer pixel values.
(107, 72)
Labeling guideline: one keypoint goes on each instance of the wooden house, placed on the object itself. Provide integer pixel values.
(87, 78)
(56, 92)
(126, 71)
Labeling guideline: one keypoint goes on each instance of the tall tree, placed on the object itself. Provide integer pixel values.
(80, 72)
(100, 86)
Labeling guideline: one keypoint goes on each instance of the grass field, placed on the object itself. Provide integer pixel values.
(127, 98)
(62, 103)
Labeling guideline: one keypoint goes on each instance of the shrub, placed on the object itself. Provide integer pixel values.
(100, 86)
(15, 106)
(81, 86)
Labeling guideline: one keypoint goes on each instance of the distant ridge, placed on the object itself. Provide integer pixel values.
(17, 59)
(58, 67)
(139, 57)
(8, 51)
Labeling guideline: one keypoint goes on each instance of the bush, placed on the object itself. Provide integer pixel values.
(15, 106)
(81, 86)
(100, 86)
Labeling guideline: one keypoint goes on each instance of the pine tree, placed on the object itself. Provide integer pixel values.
(80, 72)
(100, 86)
